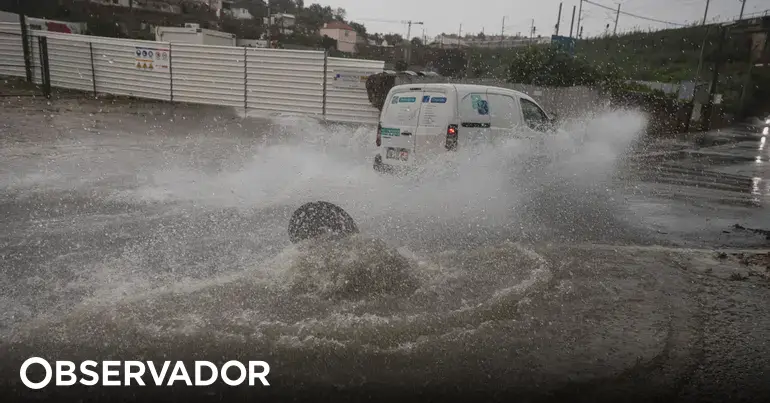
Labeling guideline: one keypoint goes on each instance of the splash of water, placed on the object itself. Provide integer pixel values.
(476, 189)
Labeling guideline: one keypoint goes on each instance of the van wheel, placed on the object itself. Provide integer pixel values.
(378, 164)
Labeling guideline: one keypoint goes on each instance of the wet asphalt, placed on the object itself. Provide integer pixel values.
(671, 308)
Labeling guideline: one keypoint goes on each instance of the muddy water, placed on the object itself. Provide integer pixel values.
(163, 232)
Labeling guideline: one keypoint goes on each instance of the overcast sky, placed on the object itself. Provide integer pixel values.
(474, 15)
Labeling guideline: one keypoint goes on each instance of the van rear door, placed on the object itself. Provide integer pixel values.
(399, 124)
(436, 112)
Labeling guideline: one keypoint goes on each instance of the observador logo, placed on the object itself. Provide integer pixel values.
(143, 373)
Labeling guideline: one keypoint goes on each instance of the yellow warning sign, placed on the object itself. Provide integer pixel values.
(138, 65)
(144, 65)
(150, 66)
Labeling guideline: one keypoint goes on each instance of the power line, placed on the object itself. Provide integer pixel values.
(633, 15)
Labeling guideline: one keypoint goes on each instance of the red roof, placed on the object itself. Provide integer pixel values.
(338, 25)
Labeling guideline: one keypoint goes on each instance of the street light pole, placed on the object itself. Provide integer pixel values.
(580, 17)
(743, 5)
(706, 13)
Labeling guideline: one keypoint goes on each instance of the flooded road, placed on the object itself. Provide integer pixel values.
(149, 230)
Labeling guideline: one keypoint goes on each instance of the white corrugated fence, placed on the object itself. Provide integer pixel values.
(269, 81)
(345, 99)
(288, 81)
(208, 74)
(11, 51)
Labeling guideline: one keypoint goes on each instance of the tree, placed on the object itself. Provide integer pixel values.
(282, 6)
(257, 8)
(394, 39)
(553, 68)
(314, 16)
(359, 28)
(339, 14)
(242, 28)
(328, 43)
(376, 37)
(450, 62)
(416, 42)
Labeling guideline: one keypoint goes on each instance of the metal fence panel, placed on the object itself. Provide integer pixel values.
(285, 81)
(346, 97)
(34, 54)
(115, 65)
(120, 71)
(209, 74)
(11, 50)
(70, 64)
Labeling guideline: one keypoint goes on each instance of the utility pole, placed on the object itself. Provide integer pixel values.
(743, 5)
(269, 26)
(714, 79)
(571, 24)
(21, 10)
(705, 13)
(558, 20)
(580, 18)
(459, 35)
(502, 33)
(700, 58)
(532, 32)
(615, 31)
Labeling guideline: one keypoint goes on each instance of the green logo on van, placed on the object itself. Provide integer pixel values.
(386, 131)
(407, 99)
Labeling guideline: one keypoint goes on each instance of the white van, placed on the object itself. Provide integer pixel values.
(419, 120)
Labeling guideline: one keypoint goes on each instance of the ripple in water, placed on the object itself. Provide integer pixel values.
(354, 293)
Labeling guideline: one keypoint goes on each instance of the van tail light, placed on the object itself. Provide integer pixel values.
(379, 134)
(451, 137)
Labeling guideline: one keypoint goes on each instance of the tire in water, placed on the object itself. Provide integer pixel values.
(320, 218)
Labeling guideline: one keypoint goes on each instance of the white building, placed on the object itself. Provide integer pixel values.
(153, 5)
(344, 34)
(449, 42)
(240, 13)
(220, 7)
(42, 24)
(489, 42)
(120, 3)
(283, 23)
(251, 43)
(195, 35)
